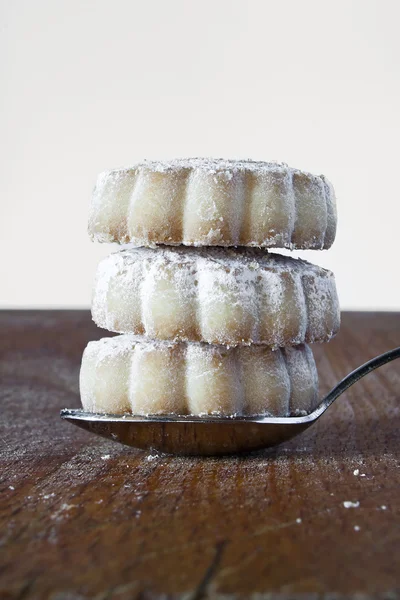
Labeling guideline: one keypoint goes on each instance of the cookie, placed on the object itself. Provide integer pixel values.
(216, 295)
(125, 374)
(214, 202)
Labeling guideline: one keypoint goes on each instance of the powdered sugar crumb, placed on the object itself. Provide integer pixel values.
(349, 504)
(58, 515)
(151, 457)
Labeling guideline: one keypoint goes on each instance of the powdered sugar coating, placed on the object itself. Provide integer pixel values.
(126, 374)
(215, 295)
(213, 202)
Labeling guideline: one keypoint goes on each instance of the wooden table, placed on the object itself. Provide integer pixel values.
(81, 517)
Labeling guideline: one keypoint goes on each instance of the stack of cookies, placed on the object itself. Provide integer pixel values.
(212, 322)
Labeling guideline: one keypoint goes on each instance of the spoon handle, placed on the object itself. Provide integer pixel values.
(358, 373)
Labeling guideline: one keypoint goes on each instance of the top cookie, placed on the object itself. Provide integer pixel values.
(213, 202)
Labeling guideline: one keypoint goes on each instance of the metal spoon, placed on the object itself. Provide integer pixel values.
(212, 435)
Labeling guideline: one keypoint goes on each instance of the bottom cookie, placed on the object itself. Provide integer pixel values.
(124, 374)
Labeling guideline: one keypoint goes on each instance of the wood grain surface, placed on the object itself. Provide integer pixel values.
(81, 517)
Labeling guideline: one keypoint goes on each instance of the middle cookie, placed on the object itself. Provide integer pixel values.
(216, 295)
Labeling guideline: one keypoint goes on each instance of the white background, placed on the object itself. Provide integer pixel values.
(88, 85)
